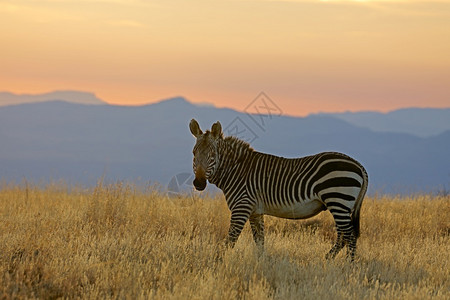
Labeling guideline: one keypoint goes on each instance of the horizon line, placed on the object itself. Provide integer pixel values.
(186, 99)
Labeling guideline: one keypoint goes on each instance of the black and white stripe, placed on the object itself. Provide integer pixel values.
(256, 184)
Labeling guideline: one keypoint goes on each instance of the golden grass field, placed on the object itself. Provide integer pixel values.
(127, 242)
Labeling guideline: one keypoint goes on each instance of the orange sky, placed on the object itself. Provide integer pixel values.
(307, 55)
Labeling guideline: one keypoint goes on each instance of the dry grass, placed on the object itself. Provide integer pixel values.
(119, 241)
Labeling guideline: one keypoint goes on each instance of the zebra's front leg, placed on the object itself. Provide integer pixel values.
(239, 217)
(257, 225)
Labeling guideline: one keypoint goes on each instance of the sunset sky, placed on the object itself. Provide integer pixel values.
(307, 55)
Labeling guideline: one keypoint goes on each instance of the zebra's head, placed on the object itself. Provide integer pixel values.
(205, 152)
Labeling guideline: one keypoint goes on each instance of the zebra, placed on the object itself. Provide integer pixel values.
(257, 184)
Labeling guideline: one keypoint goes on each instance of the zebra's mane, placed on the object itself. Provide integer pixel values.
(238, 144)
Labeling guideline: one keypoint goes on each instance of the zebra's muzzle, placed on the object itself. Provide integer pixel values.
(199, 184)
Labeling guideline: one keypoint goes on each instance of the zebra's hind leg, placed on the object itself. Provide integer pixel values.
(257, 225)
(337, 246)
(345, 237)
(344, 226)
(350, 240)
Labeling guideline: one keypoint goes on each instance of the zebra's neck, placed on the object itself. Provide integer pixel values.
(234, 158)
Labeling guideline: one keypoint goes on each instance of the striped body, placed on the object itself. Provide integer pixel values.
(300, 188)
(257, 184)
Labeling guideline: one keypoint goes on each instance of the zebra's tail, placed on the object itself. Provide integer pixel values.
(359, 200)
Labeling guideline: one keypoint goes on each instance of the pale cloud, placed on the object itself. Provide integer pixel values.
(353, 1)
(11, 7)
(126, 23)
(49, 11)
(419, 8)
(83, 1)
(27, 10)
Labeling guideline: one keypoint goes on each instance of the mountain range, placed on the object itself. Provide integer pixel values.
(80, 142)
(421, 122)
(7, 98)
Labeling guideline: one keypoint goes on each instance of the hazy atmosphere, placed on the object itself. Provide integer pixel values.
(309, 55)
(349, 71)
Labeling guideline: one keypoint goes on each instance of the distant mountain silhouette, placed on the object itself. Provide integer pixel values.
(422, 122)
(7, 98)
(80, 143)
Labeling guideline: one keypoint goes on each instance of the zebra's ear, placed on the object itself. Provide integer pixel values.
(216, 130)
(195, 128)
